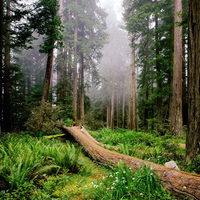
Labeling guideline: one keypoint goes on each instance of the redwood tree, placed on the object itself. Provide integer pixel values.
(193, 135)
(6, 107)
(177, 119)
(75, 63)
(1, 57)
(47, 23)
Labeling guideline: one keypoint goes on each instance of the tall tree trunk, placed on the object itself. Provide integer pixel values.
(48, 75)
(177, 120)
(82, 82)
(75, 65)
(82, 91)
(117, 108)
(133, 92)
(1, 59)
(113, 107)
(159, 86)
(123, 108)
(146, 111)
(60, 69)
(193, 135)
(171, 69)
(6, 109)
(130, 105)
(108, 115)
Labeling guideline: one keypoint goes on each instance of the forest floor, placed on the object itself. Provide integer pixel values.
(85, 179)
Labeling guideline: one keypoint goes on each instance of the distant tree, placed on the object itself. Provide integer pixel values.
(6, 106)
(75, 62)
(193, 134)
(46, 22)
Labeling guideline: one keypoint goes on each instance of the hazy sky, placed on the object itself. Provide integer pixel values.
(117, 6)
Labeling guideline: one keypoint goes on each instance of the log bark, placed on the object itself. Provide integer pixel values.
(178, 182)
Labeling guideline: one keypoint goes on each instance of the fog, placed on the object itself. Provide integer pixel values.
(115, 63)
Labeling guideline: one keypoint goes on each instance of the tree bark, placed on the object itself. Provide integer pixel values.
(108, 115)
(171, 69)
(133, 92)
(193, 135)
(158, 68)
(123, 108)
(60, 70)
(113, 107)
(1, 59)
(82, 82)
(75, 64)
(146, 110)
(48, 76)
(177, 119)
(176, 181)
(6, 104)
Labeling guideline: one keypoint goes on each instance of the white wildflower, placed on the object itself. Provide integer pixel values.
(124, 172)
(133, 178)
(141, 194)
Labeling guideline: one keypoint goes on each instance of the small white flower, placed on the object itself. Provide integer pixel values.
(151, 174)
(107, 188)
(124, 181)
(113, 183)
(124, 172)
(85, 185)
(130, 168)
(111, 175)
(123, 178)
(133, 178)
(141, 194)
(100, 184)
(117, 181)
(103, 177)
(92, 182)
(111, 188)
(117, 172)
(126, 187)
(116, 177)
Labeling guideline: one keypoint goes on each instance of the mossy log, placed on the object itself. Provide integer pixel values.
(175, 181)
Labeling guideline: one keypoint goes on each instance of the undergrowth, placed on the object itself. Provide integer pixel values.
(40, 168)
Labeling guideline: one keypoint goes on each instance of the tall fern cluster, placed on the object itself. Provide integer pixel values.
(24, 158)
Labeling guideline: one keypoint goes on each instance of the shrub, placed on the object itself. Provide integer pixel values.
(194, 166)
(44, 118)
(24, 158)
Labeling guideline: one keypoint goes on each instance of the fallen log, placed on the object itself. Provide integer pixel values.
(175, 181)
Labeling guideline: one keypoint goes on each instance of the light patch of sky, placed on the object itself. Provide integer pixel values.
(117, 7)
